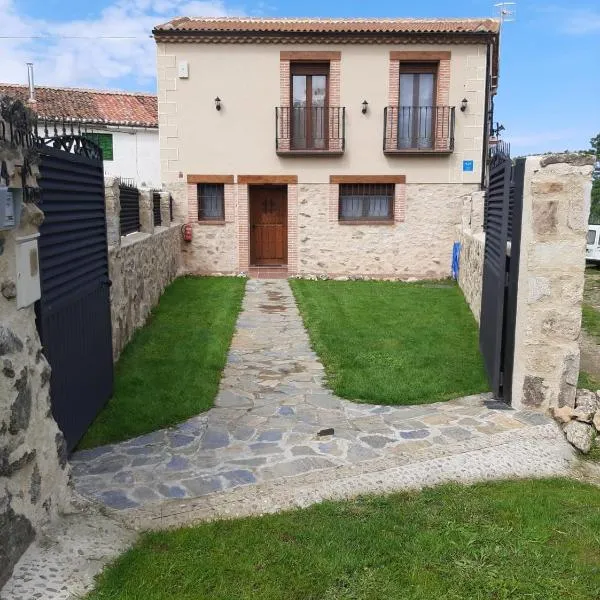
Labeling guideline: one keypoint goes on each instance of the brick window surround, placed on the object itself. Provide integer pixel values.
(228, 198)
(442, 87)
(399, 208)
(287, 57)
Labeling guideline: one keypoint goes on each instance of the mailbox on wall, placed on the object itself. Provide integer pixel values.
(28, 270)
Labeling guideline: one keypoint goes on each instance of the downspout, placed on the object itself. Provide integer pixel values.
(486, 119)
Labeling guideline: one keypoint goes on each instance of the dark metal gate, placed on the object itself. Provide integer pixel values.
(73, 314)
(502, 222)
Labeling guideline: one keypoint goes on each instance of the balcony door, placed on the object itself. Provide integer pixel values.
(416, 111)
(309, 119)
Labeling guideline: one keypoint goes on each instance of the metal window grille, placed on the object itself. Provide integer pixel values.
(156, 209)
(130, 207)
(211, 202)
(366, 202)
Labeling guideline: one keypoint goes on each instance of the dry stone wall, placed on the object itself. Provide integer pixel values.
(141, 265)
(472, 244)
(33, 462)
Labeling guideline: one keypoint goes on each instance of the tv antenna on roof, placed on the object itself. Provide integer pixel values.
(507, 11)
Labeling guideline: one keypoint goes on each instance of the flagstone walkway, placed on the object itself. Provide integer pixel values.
(274, 419)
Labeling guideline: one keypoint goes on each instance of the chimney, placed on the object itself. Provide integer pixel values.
(31, 83)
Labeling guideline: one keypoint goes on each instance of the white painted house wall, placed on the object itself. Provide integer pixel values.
(136, 154)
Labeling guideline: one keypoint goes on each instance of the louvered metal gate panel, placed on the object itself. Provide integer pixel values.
(129, 197)
(494, 271)
(156, 209)
(74, 310)
(503, 210)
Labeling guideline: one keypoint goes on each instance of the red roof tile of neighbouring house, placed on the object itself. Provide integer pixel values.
(228, 24)
(89, 106)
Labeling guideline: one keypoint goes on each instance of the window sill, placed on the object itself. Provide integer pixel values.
(310, 152)
(359, 222)
(417, 152)
(215, 222)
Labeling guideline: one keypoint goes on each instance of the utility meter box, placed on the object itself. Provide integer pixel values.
(183, 69)
(28, 270)
(10, 207)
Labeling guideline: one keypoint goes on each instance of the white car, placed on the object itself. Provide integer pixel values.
(592, 253)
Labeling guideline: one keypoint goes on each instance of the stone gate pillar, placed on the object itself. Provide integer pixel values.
(556, 200)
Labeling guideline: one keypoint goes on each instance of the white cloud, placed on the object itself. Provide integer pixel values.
(572, 20)
(61, 60)
(582, 22)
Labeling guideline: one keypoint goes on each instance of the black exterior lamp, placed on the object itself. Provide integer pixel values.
(218, 103)
(365, 104)
(463, 105)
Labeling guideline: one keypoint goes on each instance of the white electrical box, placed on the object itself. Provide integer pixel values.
(10, 208)
(28, 270)
(183, 69)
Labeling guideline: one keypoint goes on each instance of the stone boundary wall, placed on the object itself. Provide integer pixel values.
(472, 245)
(33, 463)
(141, 264)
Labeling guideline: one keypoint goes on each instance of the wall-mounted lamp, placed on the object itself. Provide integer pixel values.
(365, 105)
(218, 103)
(463, 104)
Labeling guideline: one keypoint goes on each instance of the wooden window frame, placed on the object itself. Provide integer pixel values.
(96, 136)
(364, 219)
(308, 68)
(212, 220)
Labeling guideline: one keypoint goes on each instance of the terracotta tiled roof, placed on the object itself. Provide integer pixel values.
(89, 106)
(228, 24)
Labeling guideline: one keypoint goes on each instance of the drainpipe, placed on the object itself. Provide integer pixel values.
(31, 82)
(486, 120)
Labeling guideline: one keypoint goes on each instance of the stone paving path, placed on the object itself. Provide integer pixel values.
(269, 413)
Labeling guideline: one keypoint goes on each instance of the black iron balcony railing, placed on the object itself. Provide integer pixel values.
(418, 129)
(310, 130)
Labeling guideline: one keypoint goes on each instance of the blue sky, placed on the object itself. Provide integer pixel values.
(549, 95)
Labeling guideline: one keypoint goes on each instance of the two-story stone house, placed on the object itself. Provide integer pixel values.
(325, 146)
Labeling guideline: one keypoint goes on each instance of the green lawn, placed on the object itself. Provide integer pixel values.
(590, 320)
(506, 540)
(392, 342)
(171, 369)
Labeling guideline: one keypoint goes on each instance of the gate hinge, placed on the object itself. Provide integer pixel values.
(501, 379)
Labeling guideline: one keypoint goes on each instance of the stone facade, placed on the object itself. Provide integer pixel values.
(553, 240)
(33, 464)
(418, 243)
(141, 265)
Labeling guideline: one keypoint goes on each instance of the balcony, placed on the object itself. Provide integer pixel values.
(418, 130)
(310, 131)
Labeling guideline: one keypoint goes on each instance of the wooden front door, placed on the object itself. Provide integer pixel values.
(268, 225)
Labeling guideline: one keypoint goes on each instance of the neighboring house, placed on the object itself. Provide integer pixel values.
(124, 124)
(329, 146)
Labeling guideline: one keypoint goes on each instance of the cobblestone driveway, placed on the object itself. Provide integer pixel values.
(265, 426)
